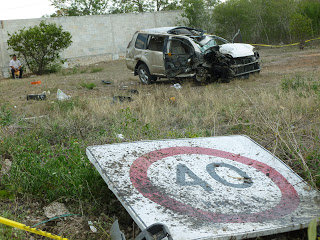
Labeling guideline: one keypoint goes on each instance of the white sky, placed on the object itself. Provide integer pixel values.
(23, 9)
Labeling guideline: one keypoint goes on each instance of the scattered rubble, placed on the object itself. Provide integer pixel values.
(121, 99)
(61, 96)
(41, 96)
(92, 227)
(120, 136)
(133, 91)
(36, 82)
(105, 82)
(172, 100)
(177, 86)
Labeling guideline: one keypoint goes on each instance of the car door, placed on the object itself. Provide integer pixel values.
(177, 55)
(155, 54)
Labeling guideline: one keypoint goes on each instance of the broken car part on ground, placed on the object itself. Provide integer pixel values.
(186, 52)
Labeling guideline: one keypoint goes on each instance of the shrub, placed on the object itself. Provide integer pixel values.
(40, 45)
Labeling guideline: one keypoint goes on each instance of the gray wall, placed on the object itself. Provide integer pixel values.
(95, 38)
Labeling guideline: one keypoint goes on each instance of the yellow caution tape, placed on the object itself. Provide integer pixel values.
(287, 45)
(29, 229)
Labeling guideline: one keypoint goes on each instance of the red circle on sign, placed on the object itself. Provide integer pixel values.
(139, 177)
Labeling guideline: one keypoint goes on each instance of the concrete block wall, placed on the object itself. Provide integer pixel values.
(95, 38)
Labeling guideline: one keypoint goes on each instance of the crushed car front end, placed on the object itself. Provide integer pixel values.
(224, 60)
(243, 60)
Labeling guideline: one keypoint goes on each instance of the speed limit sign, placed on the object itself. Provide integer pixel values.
(206, 188)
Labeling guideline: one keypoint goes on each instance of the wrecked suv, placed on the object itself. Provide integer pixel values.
(175, 52)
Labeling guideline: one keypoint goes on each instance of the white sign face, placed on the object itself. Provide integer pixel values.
(206, 188)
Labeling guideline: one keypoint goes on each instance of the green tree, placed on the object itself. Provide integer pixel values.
(166, 5)
(232, 15)
(198, 13)
(79, 7)
(300, 26)
(40, 45)
(125, 6)
(265, 21)
(311, 9)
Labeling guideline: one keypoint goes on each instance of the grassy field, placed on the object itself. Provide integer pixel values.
(46, 140)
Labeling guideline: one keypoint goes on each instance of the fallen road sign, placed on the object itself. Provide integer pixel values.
(206, 188)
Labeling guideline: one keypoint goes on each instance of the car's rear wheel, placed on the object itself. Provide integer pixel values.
(144, 74)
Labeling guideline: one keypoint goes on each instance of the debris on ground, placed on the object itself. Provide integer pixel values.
(55, 209)
(105, 82)
(61, 96)
(115, 232)
(177, 86)
(172, 100)
(41, 96)
(121, 99)
(92, 227)
(33, 118)
(133, 91)
(5, 167)
(36, 82)
(120, 136)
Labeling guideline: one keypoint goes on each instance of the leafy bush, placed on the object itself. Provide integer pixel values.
(54, 67)
(40, 45)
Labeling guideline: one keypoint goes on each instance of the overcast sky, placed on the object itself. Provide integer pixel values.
(23, 9)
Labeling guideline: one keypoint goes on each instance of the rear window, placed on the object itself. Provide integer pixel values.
(156, 43)
(141, 41)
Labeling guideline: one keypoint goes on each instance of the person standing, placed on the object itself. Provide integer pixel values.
(15, 66)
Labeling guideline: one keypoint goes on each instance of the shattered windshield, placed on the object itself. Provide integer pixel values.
(208, 45)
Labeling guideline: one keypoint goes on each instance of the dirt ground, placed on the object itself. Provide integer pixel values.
(275, 62)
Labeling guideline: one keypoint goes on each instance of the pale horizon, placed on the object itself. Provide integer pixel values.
(26, 9)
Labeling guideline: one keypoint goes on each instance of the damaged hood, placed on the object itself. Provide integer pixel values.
(237, 49)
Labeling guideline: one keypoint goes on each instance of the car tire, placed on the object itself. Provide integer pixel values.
(144, 74)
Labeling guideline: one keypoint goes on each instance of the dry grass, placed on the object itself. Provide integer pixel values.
(280, 109)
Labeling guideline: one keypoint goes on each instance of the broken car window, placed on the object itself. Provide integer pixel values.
(208, 45)
(180, 47)
(141, 41)
(156, 43)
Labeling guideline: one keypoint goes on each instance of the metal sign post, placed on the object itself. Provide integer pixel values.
(206, 188)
